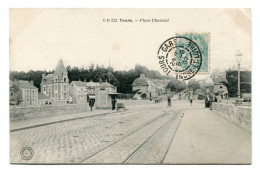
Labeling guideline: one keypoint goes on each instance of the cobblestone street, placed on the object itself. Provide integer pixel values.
(111, 138)
(146, 133)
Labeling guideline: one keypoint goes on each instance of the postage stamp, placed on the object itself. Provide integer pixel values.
(203, 42)
(180, 55)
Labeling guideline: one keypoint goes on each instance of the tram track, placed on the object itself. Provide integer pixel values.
(160, 122)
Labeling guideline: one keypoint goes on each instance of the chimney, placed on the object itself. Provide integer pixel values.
(15, 82)
(142, 75)
(31, 82)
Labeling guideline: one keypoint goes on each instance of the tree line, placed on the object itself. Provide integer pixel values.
(121, 79)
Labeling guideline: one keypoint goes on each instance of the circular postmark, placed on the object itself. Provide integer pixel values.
(181, 56)
(26, 153)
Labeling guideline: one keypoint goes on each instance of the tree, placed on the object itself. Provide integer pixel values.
(193, 84)
(176, 85)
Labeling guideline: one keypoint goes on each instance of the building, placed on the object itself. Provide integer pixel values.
(23, 93)
(43, 99)
(56, 85)
(220, 87)
(149, 88)
(105, 95)
(15, 96)
(91, 87)
(78, 91)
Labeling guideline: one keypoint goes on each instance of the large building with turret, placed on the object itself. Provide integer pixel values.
(56, 85)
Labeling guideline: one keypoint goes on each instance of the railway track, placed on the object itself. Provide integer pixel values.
(148, 144)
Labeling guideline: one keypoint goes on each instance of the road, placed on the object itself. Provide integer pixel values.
(140, 135)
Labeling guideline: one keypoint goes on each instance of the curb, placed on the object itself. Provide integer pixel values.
(60, 121)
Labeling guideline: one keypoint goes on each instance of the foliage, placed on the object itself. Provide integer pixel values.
(176, 85)
(245, 82)
(193, 84)
(121, 79)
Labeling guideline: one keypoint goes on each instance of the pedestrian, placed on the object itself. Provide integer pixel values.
(169, 101)
(191, 101)
(91, 104)
(206, 102)
(113, 104)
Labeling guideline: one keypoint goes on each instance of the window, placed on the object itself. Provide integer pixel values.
(220, 87)
(56, 80)
(12, 93)
(27, 93)
(64, 79)
(56, 87)
(33, 94)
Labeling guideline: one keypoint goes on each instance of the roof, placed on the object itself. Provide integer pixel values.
(58, 73)
(60, 68)
(220, 80)
(11, 83)
(25, 84)
(43, 96)
(106, 84)
(92, 84)
(209, 81)
(140, 82)
(79, 83)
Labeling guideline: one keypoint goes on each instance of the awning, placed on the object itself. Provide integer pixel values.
(114, 93)
(92, 97)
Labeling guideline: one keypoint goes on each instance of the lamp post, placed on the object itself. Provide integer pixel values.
(238, 59)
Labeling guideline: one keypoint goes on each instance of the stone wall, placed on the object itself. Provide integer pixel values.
(23, 113)
(239, 115)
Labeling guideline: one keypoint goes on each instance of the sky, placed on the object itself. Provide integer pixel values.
(40, 37)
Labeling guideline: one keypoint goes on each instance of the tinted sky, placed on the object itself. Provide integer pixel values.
(40, 37)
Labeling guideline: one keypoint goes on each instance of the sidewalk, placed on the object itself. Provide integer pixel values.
(206, 138)
(18, 125)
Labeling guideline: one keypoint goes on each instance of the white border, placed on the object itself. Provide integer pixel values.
(4, 55)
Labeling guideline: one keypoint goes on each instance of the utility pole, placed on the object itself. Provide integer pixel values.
(238, 58)
(109, 72)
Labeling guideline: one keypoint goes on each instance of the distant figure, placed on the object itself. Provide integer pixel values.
(206, 102)
(91, 104)
(169, 101)
(191, 101)
(113, 104)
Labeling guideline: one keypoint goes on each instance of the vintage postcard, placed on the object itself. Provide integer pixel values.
(130, 86)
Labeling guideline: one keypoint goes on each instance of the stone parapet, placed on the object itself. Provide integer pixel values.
(24, 113)
(239, 115)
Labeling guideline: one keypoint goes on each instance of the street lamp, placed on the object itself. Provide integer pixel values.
(238, 59)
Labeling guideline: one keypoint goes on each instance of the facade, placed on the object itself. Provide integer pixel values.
(15, 96)
(105, 96)
(23, 93)
(78, 91)
(56, 85)
(220, 87)
(43, 99)
(91, 87)
(148, 88)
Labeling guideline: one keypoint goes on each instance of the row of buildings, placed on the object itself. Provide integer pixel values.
(148, 88)
(56, 89)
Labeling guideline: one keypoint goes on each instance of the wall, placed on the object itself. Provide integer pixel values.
(239, 115)
(23, 113)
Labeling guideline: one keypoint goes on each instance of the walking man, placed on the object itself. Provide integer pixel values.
(169, 101)
(191, 100)
(91, 104)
